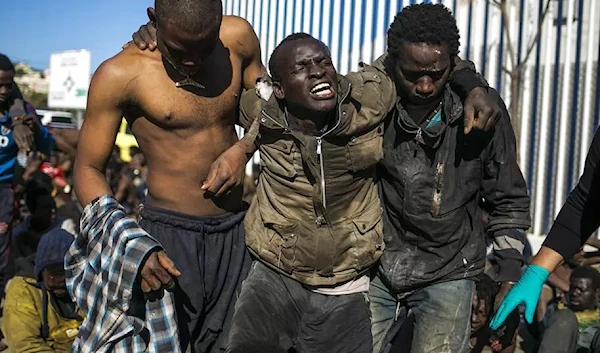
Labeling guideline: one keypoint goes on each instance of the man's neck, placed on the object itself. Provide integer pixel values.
(315, 125)
(420, 112)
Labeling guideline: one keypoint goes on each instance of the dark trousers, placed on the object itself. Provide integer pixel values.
(562, 335)
(210, 253)
(277, 314)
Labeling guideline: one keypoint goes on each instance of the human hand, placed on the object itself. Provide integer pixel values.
(145, 37)
(527, 290)
(481, 112)
(23, 134)
(157, 272)
(504, 288)
(227, 171)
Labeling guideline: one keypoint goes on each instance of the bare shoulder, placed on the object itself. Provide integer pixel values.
(122, 68)
(238, 35)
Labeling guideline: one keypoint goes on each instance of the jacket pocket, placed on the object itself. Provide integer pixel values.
(366, 150)
(283, 239)
(278, 158)
(368, 230)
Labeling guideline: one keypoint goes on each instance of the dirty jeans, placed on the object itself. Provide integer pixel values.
(442, 314)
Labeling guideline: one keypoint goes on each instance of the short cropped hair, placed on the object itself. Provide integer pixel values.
(587, 272)
(274, 69)
(194, 16)
(424, 23)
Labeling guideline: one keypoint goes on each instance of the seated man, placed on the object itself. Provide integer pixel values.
(39, 315)
(574, 328)
(504, 340)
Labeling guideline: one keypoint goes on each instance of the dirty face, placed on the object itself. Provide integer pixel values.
(582, 295)
(479, 314)
(54, 280)
(421, 71)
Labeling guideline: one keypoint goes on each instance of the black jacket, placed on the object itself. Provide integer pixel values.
(432, 183)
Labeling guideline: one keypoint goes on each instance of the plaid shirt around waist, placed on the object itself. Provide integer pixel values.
(101, 270)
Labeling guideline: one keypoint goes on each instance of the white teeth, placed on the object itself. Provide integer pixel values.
(319, 87)
(323, 93)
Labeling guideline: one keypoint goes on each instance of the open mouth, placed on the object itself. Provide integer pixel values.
(322, 91)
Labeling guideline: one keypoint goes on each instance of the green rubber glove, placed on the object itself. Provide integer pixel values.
(527, 291)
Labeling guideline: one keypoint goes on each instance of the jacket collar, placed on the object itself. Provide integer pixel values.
(273, 112)
(452, 109)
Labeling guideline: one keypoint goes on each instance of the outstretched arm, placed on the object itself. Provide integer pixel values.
(577, 220)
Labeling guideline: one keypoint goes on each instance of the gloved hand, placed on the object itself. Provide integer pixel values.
(527, 291)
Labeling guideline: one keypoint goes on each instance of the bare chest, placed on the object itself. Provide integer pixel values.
(164, 104)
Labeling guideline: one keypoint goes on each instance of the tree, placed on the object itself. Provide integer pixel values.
(516, 69)
(37, 99)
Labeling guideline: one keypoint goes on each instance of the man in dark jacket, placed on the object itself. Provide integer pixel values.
(432, 179)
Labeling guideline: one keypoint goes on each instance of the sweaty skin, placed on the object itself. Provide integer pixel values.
(180, 132)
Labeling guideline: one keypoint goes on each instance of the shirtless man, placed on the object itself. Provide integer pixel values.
(181, 102)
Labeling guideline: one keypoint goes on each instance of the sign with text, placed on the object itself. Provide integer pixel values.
(69, 79)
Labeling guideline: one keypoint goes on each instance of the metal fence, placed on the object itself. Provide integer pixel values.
(554, 42)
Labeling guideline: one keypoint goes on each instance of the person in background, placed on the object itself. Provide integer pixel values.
(39, 315)
(21, 132)
(132, 182)
(575, 327)
(42, 218)
(484, 298)
(575, 223)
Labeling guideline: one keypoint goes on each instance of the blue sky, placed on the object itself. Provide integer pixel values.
(33, 29)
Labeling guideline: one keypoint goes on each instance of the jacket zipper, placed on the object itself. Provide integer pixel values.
(320, 142)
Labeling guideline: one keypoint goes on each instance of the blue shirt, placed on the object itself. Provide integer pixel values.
(44, 142)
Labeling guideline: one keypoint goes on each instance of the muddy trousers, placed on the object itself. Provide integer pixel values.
(442, 314)
(276, 314)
